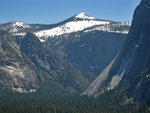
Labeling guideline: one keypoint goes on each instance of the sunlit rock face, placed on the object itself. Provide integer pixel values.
(17, 73)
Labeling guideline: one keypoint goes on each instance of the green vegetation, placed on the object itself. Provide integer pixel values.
(110, 102)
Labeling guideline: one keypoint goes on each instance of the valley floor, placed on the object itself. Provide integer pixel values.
(74, 103)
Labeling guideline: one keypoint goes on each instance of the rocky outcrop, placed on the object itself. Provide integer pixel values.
(17, 73)
(134, 56)
(53, 63)
(33, 66)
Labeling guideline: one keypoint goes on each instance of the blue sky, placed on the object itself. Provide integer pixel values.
(53, 11)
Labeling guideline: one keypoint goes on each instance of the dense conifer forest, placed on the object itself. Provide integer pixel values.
(109, 102)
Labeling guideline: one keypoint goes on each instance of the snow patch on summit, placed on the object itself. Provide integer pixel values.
(113, 27)
(15, 27)
(84, 16)
(69, 27)
(20, 24)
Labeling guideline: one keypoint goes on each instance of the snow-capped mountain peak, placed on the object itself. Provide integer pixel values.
(15, 28)
(19, 24)
(69, 27)
(83, 15)
(76, 23)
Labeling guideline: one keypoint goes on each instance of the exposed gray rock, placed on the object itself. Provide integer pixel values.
(53, 63)
(133, 58)
(16, 71)
(98, 84)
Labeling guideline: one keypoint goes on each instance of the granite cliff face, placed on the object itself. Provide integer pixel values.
(140, 87)
(53, 63)
(91, 52)
(17, 72)
(133, 58)
(32, 66)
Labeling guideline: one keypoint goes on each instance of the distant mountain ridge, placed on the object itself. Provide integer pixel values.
(74, 24)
